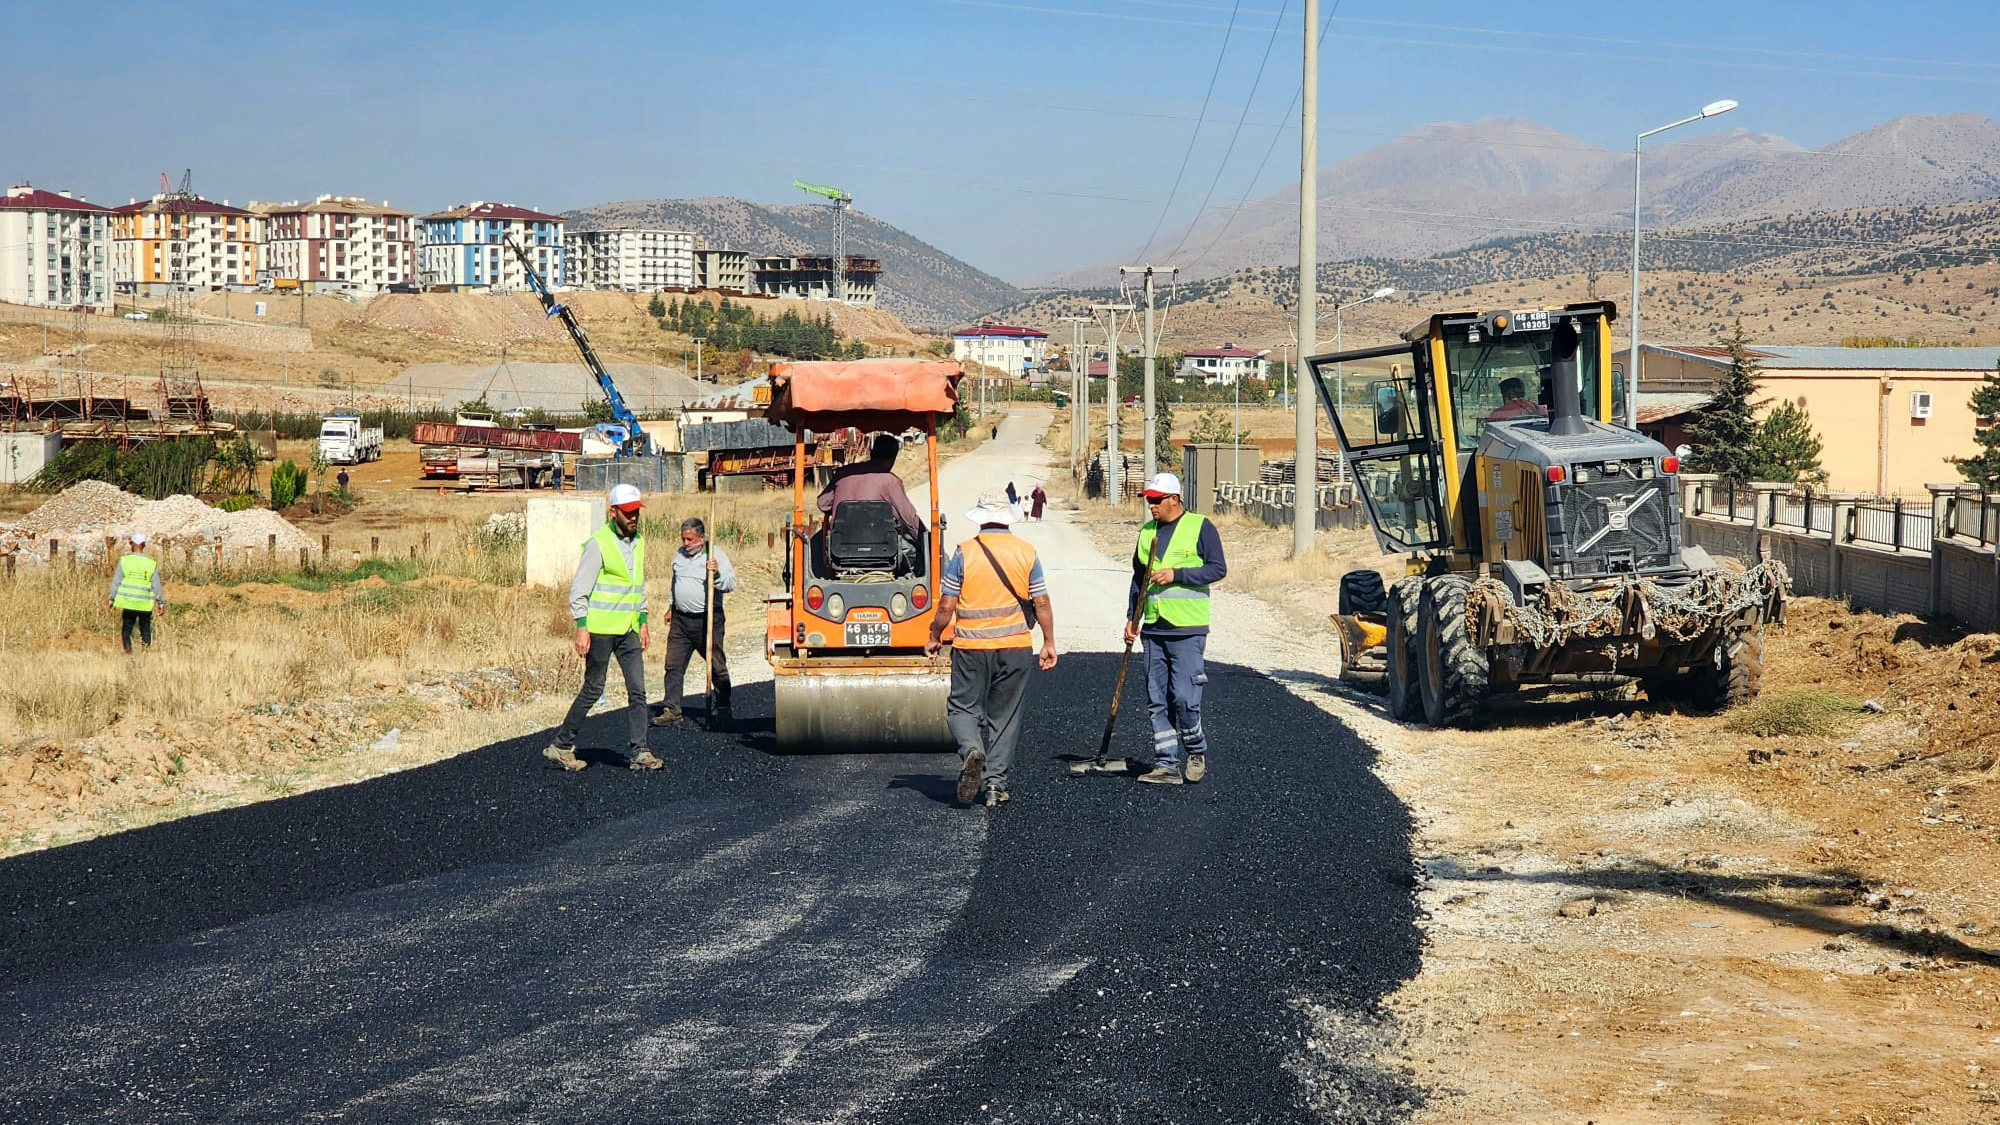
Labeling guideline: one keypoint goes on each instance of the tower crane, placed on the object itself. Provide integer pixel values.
(841, 202)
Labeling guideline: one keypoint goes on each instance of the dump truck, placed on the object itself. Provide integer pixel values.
(1543, 542)
(846, 637)
(343, 440)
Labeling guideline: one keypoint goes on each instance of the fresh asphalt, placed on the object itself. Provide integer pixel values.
(743, 936)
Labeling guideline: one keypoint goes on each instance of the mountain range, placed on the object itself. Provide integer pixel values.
(1451, 186)
(923, 286)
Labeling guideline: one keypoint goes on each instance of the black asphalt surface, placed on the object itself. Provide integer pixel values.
(741, 937)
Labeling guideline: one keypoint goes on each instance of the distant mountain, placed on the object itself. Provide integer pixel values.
(922, 285)
(1450, 186)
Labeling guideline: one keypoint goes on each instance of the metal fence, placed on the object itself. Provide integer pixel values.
(1893, 524)
(1804, 511)
(1973, 517)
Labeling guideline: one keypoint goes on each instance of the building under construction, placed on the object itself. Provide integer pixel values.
(811, 276)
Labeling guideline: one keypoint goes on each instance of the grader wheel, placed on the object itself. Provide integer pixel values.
(1405, 698)
(1455, 672)
(1734, 677)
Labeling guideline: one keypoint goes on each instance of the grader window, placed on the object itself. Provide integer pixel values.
(1506, 377)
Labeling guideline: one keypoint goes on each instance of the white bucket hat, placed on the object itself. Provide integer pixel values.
(992, 508)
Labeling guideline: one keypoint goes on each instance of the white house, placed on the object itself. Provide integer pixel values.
(55, 249)
(1226, 364)
(1004, 347)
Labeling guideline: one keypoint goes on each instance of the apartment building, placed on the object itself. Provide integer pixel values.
(211, 245)
(811, 277)
(724, 270)
(338, 242)
(1226, 364)
(633, 259)
(465, 248)
(1005, 347)
(55, 249)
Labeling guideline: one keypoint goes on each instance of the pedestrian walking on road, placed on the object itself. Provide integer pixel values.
(688, 627)
(1174, 629)
(136, 593)
(608, 600)
(1039, 497)
(988, 588)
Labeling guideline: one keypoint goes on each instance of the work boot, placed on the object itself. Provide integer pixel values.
(564, 756)
(667, 717)
(1161, 775)
(996, 794)
(1197, 767)
(643, 760)
(969, 775)
(723, 712)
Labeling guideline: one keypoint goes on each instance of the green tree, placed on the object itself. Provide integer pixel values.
(597, 410)
(1983, 467)
(656, 308)
(1163, 434)
(1787, 448)
(1213, 428)
(1724, 436)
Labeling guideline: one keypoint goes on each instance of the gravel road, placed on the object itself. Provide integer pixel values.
(747, 936)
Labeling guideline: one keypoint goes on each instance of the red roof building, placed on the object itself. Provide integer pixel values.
(465, 247)
(205, 244)
(55, 249)
(1005, 347)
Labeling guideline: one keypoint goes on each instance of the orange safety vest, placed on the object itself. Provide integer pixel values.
(990, 616)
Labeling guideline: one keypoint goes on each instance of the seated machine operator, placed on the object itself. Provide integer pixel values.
(1514, 403)
(876, 479)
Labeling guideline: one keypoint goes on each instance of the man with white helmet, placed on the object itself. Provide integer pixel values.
(136, 593)
(607, 598)
(1179, 556)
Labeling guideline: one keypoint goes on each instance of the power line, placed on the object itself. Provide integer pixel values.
(1223, 165)
(1194, 136)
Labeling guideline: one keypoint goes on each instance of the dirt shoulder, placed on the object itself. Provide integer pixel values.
(1640, 915)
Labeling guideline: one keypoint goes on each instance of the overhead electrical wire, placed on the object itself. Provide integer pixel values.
(1221, 55)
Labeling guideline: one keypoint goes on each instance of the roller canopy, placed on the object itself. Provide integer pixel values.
(870, 394)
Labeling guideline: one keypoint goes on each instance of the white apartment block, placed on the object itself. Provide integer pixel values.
(465, 248)
(633, 259)
(1226, 364)
(55, 249)
(207, 245)
(338, 242)
(1005, 347)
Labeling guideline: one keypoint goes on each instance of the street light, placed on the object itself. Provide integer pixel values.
(1712, 109)
(1340, 370)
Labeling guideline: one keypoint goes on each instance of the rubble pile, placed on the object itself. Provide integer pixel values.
(82, 515)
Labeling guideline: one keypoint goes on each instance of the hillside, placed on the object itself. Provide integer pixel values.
(922, 285)
(1450, 186)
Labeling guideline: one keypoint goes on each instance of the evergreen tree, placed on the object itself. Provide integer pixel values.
(1725, 433)
(656, 308)
(1786, 448)
(1983, 467)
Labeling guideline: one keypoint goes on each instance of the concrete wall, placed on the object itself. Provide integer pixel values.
(22, 455)
(556, 531)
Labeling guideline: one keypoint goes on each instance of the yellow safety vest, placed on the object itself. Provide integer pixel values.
(617, 596)
(135, 583)
(1177, 604)
(990, 616)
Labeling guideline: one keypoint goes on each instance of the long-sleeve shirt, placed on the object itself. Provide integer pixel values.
(872, 480)
(118, 572)
(691, 578)
(1213, 569)
(586, 576)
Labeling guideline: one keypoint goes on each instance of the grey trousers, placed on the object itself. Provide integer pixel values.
(631, 662)
(989, 690)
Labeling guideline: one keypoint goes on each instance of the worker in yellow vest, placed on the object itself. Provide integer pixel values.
(987, 591)
(608, 600)
(136, 593)
(1179, 556)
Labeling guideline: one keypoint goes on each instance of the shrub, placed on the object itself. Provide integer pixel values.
(1806, 711)
(288, 483)
(237, 502)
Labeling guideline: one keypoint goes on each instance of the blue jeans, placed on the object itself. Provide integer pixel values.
(1176, 670)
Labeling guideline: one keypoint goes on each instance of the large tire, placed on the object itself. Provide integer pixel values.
(1735, 675)
(1454, 672)
(1405, 698)
(1361, 592)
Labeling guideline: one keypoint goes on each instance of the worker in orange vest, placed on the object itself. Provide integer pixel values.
(988, 589)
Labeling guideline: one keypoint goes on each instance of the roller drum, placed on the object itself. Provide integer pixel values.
(897, 712)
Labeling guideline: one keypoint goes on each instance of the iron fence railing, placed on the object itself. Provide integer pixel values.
(1973, 517)
(1893, 524)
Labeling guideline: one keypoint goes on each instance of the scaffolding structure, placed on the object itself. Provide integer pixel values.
(180, 376)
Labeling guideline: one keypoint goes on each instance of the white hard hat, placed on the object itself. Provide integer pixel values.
(625, 496)
(138, 539)
(1163, 484)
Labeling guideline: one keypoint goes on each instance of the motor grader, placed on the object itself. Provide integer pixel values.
(1544, 542)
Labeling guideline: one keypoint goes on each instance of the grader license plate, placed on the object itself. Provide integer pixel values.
(861, 633)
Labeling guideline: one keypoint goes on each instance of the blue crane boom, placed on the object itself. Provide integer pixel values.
(632, 441)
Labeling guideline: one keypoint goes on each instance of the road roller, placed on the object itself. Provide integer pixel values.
(846, 637)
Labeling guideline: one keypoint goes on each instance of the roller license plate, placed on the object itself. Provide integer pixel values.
(861, 634)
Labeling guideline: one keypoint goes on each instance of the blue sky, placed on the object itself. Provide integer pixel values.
(1019, 135)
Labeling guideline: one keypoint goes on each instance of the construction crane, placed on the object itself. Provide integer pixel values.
(841, 202)
(180, 376)
(625, 433)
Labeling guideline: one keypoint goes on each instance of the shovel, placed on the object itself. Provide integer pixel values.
(1099, 764)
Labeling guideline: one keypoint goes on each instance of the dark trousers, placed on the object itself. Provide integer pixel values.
(684, 639)
(631, 662)
(989, 691)
(143, 618)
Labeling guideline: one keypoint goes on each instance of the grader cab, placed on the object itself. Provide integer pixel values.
(1544, 542)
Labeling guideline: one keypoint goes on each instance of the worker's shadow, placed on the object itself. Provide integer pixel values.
(940, 787)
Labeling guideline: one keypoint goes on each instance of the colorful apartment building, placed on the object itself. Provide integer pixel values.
(465, 248)
(633, 259)
(338, 242)
(209, 245)
(55, 249)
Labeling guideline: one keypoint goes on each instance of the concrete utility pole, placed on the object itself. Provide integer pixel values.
(1111, 461)
(1079, 392)
(1152, 346)
(1305, 474)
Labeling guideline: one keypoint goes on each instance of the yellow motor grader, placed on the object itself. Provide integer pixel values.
(1544, 542)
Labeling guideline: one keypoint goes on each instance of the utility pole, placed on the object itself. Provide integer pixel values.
(1112, 483)
(1305, 463)
(1079, 392)
(1152, 346)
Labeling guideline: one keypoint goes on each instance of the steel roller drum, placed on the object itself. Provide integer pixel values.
(901, 711)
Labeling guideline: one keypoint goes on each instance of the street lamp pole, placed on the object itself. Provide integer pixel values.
(1305, 432)
(1340, 370)
(1712, 109)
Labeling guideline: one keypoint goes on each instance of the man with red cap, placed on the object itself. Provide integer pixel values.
(1178, 558)
(608, 600)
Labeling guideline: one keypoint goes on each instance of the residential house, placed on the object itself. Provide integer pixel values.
(1004, 347)
(1226, 364)
(632, 259)
(198, 243)
(465, 248)
(338, 242)
(55, 249)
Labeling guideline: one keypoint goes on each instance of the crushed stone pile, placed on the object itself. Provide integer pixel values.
(82, 515)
